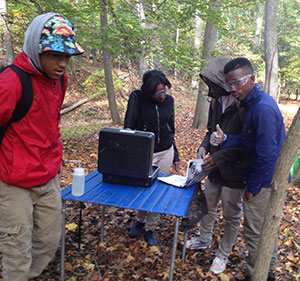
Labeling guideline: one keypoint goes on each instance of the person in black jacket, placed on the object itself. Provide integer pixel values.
(151, 109)
(226, 181)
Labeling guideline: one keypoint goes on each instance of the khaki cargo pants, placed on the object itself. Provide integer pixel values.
(30, 228)
(254, 214)
(232, 205)
(164, 160)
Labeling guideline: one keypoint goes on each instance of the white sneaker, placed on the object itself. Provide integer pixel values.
(218, 265)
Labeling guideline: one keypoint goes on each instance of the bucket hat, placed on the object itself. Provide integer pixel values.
(58, 35)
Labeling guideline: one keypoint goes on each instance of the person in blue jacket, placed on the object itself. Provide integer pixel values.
(262, 137)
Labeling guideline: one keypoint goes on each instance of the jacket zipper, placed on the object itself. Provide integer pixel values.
(158, 128)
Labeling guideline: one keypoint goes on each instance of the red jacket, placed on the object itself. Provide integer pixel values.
(30, 152)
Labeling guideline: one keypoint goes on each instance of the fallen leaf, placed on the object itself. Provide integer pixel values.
(71, 226)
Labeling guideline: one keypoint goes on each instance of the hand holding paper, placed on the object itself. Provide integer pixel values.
(208, 162)
(201, 152)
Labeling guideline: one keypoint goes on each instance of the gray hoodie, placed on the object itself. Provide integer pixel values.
(32, 38)
(214, 70)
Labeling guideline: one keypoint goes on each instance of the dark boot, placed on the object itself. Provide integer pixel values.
(136, 229)
(271, 276)
(150, 238)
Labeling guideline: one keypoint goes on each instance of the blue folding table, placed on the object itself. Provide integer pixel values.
(159, 198)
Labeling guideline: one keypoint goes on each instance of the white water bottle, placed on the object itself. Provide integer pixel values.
(78, 182)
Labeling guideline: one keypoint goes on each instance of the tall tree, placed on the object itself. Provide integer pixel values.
(210, 39)
(108, 70)
(197, 44)
(142, 60)
(271, 51)
(176, 43)
(276, 201)
(259, 25)
(10, 55)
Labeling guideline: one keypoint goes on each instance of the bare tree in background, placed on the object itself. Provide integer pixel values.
(197, 44)
(210, 39)
(259, 25)
(143, 63)
(271, 52)
(108, 71)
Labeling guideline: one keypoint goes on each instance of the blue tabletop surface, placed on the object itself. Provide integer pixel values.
(159, 198)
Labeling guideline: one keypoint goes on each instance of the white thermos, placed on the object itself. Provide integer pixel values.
(78, 181)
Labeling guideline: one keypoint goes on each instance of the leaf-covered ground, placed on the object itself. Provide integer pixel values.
(123, 258)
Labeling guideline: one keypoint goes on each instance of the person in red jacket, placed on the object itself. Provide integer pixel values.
(31, 152)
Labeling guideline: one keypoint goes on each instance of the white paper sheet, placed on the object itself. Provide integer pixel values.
(194, 174)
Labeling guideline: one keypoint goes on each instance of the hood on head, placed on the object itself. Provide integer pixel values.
(214, 70)
(33, 36)
(47, 32)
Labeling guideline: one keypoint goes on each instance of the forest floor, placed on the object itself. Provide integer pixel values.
(120, 257)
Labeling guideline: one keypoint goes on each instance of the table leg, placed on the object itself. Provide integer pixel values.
(79, 225)
(102, 223)
(184, 244)
(62, 249)
(174, 250)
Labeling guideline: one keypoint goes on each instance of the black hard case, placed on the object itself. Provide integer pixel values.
(125, 157)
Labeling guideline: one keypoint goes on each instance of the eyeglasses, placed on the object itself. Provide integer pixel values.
(238, 83)
(161, 92)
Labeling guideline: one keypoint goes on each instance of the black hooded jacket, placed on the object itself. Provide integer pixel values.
(145, 114)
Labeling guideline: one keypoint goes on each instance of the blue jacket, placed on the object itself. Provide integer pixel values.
(262, 138)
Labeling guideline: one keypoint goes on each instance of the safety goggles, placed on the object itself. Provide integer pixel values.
(237, 84)
(161, 92)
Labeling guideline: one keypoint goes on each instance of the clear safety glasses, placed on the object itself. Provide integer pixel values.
(237, 84)
(162, 92)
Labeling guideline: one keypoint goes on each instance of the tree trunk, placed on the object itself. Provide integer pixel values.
(143, 63)
(197, 43)
(10, 55)
(108, 72)
(271, 52)
(94, 57)
(277, 199)
(75, 105)
(176, 43)
(210, 39)
(259, 25)
(201, 111)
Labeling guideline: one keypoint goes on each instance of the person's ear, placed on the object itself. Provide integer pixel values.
(252, 80)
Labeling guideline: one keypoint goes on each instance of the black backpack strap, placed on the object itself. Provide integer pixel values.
(24, 104)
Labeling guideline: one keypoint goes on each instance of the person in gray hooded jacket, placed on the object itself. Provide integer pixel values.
(31, 152)
(225, 182)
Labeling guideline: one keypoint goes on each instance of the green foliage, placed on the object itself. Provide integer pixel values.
(128, 38)
(291, 73)
(288, 43)
(95, 84)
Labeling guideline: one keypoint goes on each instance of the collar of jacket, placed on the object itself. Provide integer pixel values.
(251, 97)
